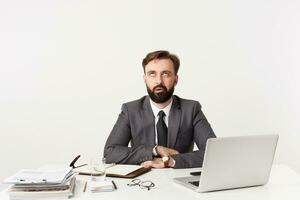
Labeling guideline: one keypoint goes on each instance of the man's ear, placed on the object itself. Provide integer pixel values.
(176, 79)
(144, 77)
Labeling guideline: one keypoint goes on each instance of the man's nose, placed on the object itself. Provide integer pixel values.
(158, 80)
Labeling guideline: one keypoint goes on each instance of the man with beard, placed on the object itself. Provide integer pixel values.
(161, 127)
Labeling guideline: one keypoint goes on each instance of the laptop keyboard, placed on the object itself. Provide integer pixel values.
(196, 183)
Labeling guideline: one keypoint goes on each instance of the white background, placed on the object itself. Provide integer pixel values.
(67, 66)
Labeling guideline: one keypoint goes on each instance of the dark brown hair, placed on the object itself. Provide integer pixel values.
(161, 54)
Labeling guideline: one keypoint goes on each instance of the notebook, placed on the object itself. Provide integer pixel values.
(118, 170)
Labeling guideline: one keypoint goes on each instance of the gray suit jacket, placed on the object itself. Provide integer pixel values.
(187, 125)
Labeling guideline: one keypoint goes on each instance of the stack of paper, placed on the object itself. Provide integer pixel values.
(33, 184)
(101, 186)
(48, 192)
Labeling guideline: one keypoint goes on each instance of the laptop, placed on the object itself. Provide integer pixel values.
(234, 162)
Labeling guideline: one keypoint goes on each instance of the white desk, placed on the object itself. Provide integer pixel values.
(284, 183)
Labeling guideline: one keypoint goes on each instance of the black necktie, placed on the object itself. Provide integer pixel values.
(162, 130)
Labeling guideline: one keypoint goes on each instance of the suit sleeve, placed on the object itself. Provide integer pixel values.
(116, 149)
(201, 132)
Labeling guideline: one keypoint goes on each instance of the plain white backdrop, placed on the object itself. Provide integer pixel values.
(67, 66)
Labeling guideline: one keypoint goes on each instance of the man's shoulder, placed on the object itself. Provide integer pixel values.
(185, 102)
(136, 103)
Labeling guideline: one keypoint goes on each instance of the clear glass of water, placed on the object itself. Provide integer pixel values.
(98, 167)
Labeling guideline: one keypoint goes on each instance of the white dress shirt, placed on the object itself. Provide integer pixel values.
(156, 110)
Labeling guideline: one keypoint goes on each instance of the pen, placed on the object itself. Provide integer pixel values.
(115, 186)
(84, 188)
(80, 166)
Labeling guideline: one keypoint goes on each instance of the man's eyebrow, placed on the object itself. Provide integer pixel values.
(164, 71)
(150, 71)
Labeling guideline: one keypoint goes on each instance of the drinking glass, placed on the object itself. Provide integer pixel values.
(98, 165)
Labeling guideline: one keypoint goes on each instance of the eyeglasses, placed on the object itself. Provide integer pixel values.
(143, 184)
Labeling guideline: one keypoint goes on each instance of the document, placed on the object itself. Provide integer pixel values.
(32, 176)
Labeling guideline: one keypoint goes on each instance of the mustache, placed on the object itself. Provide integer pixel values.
(160, 86)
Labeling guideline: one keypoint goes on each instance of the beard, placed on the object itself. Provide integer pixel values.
(160, 97)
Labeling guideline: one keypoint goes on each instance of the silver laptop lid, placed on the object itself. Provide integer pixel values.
(235, 162)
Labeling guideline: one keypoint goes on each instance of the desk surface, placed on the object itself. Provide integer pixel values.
(284, 183)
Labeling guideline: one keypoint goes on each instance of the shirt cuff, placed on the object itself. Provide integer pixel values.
(154, 151)
(174, 162)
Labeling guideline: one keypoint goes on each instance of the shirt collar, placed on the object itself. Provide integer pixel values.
(156, 110)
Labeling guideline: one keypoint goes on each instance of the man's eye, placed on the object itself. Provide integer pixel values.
(166, 74)
(152, 74)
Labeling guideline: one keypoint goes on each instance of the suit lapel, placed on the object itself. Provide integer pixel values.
(148, 122)
(174, 122)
